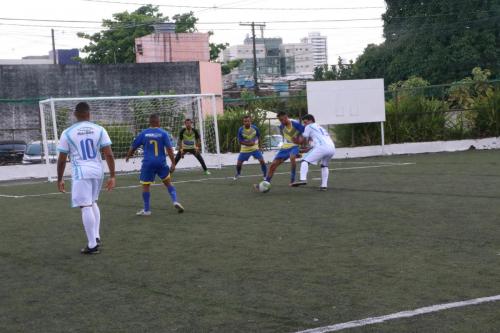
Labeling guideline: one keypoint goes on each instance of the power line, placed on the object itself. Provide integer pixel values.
(237, 8)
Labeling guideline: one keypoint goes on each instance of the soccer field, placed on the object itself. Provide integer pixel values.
(391, 234)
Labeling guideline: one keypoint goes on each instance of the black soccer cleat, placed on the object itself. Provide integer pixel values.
(87, 250)
(98, 241)
(323, 189)
(298, 183)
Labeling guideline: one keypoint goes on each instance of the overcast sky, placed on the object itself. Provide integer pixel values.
(348, 30)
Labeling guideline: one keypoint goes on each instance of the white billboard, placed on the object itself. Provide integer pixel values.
(346, 102)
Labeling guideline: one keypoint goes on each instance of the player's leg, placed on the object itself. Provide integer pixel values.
(258, 155)
(147, 178)
(293, 163)
(242, 157)
(178, 157)
(312, 157)
(81, 196)
(293, 168)
(164, 174)
(272, 168)
(96, 189)
(198, 156)
(325, 171)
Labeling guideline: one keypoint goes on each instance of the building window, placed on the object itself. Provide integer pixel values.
(139, 49)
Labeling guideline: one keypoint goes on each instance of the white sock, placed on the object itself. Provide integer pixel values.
(97, 216)
(89, 225)
(304, 168)
(324, 176)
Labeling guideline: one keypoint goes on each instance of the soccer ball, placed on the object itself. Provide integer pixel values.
(264, 186)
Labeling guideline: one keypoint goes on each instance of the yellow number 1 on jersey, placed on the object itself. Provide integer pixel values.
(154, 143)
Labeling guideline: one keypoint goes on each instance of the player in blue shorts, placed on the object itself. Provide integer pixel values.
(249, 137)
(291, 131)
(155, 141)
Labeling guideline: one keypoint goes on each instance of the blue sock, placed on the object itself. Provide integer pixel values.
(268, 179)
(263, 167)
(292, 175)
(145, 198)
(238, 169)
(172, 192)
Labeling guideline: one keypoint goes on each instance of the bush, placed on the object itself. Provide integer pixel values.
(121, 136)
(229, 123)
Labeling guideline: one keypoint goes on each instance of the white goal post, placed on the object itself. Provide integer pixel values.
(126, 116)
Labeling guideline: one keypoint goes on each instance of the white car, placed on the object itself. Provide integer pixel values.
(33, 153)
(273, 142)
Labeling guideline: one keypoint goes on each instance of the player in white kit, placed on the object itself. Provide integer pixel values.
(83, 143)
(322, 151)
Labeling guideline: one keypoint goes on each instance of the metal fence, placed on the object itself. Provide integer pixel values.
(466, 110)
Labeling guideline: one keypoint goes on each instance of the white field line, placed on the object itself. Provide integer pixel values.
(211, 178)
(402, 314)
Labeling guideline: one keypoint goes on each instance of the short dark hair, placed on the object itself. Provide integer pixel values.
(309, 117)
(247, 116)
(154, 117)
(82, 107)
(281, 113)
(188, 119)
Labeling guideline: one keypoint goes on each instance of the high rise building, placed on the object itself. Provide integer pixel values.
(319, 48)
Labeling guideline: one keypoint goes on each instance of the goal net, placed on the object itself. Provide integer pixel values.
(126, 116)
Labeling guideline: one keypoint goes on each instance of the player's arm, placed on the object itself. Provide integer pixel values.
(170, 150)
(242, 140)
(197, 139)
(63, 149)
(170, 153)
(110, 160)
(179, 141)
(135, 144)
(61, 165)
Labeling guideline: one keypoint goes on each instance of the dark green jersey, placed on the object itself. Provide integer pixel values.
(188, 138)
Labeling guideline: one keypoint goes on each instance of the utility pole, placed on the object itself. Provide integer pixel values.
(261, 25)
(53, 47)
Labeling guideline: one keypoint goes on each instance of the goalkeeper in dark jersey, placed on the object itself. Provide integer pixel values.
(189, 142)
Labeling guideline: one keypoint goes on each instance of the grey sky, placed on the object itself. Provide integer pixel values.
(346, 38)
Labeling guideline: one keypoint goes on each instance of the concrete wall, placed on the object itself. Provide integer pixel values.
(33, 81)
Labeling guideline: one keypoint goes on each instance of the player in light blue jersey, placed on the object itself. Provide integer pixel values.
(291, 131)
(155, 142)
(83, 143)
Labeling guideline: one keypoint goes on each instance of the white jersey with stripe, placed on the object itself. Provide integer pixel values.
(83, 143)
(319, 136)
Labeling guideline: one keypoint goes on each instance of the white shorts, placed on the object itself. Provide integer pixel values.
(322, 154)
(84, 192)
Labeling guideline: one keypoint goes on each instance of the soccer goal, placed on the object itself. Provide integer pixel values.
(125, 116)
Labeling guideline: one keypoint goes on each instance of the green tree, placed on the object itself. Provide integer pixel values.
(438, 40)
(115, 44)
(341, 71)
(231, 64)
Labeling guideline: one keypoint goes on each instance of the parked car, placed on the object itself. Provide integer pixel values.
(33, 153)
(272, 142)
(12, 151)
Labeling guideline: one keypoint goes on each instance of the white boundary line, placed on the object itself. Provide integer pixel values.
(212, 178)
(402, 314)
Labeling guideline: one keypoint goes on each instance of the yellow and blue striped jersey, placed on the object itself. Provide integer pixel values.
(249, 135)
(291, 132)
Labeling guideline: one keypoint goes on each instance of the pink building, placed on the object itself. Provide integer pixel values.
(172, 47)
(164, 45)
